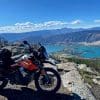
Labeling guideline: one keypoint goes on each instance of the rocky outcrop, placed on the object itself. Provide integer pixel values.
(73, 87)
(84, 68)
(73, 81)
(96, 80)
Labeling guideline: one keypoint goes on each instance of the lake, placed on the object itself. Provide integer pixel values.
(54, 48)
(77, 50)
(88, 51)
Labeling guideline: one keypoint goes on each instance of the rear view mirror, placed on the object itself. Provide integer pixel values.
(25, 42)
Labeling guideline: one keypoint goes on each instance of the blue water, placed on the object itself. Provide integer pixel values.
(88, 51)
(54, 48)
(78, 50)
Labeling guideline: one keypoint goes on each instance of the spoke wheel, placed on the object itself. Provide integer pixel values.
(48, 85)
(3, 83)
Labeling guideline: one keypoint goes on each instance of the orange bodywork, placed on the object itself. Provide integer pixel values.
(27, 64)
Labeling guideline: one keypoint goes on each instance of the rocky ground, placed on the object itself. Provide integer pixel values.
(73, 88)
(73, 81)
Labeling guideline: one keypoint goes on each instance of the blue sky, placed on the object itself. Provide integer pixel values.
(53, 13)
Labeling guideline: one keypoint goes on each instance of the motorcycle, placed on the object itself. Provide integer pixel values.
(45, 79)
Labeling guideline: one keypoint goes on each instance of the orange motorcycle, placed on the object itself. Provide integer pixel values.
(32, 68)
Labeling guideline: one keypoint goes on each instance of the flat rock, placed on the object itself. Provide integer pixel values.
(72, 80)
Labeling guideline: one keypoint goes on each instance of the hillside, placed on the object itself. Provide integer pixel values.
(82, 36)
(34, 34)
(64, 35)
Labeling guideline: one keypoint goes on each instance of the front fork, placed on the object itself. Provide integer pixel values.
(44, 73)
(45, 76)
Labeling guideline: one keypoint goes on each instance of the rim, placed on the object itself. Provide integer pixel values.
(48, 86)
(1, 82)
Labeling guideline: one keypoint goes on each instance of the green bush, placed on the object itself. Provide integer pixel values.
(87, 76)
(94, 64)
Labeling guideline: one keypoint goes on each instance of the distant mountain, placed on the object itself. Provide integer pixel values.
(94, 28)
(81, 36)
(64, 35)
(41, 33)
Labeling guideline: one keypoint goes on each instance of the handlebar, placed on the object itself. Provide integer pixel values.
(40, 54)
(34, 53)
(30, 47)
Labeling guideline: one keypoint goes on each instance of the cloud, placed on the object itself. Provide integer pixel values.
(97, 21)
(75, 22)
(22, 24)
(29, 26)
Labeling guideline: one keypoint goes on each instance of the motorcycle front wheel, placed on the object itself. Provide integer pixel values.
(52, 85)
(3, 83)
